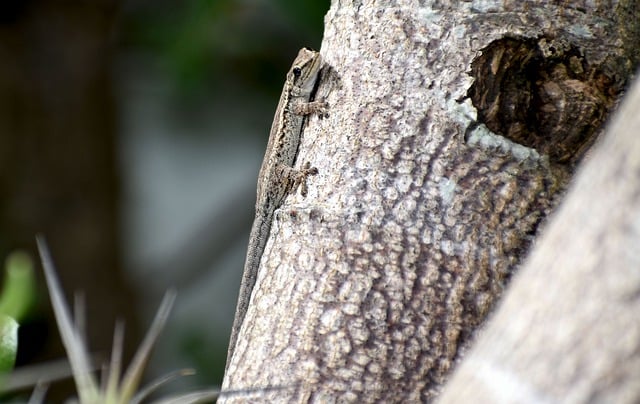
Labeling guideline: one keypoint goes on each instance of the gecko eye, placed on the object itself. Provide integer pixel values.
(297, 71)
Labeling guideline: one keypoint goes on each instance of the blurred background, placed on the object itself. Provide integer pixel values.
(131, 134)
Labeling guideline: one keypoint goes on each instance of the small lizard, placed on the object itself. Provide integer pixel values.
(277, 177)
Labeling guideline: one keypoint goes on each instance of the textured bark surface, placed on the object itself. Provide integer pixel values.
(372, 285)
(568, 329)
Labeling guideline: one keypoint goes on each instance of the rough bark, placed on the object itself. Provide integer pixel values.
(568, 329)
(453, 130)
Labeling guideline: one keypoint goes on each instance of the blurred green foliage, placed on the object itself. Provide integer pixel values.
(16, 300)
(202, 44)
(18, 294)
(8, 343)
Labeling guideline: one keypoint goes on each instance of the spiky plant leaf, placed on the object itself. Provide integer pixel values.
(112, 391)
(159, 382)
(28, 376)
(37, 396)
(73, 343)
(205, 396)
(136, 368)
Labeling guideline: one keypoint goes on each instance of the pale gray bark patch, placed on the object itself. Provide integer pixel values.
(483, 138)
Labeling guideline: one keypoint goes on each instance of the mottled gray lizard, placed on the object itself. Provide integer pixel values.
(277, 177)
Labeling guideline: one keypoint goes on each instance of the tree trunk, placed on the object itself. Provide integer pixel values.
(453, 131)
(568, 329)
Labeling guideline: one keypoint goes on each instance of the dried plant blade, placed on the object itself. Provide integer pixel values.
(159, 382)
(113, 379)
(134, 371)
(24, 377)
(76, 351)
(37, 396)
(80, 316)
(204, 396)
(213, 394)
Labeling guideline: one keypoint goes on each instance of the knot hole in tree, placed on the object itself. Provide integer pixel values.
(541, 93)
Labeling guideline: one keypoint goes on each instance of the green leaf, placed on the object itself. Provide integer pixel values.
(19, 291)
(8, 343)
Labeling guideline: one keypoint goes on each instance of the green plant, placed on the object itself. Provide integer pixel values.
(114, 389)
(16, 299)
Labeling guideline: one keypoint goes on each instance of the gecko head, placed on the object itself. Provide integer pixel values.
(305, 69)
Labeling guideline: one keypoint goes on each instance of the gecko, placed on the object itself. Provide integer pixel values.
(277, 177)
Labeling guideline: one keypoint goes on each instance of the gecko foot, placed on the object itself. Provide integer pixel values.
(318, 108)
(321, 109)
(300, 179)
